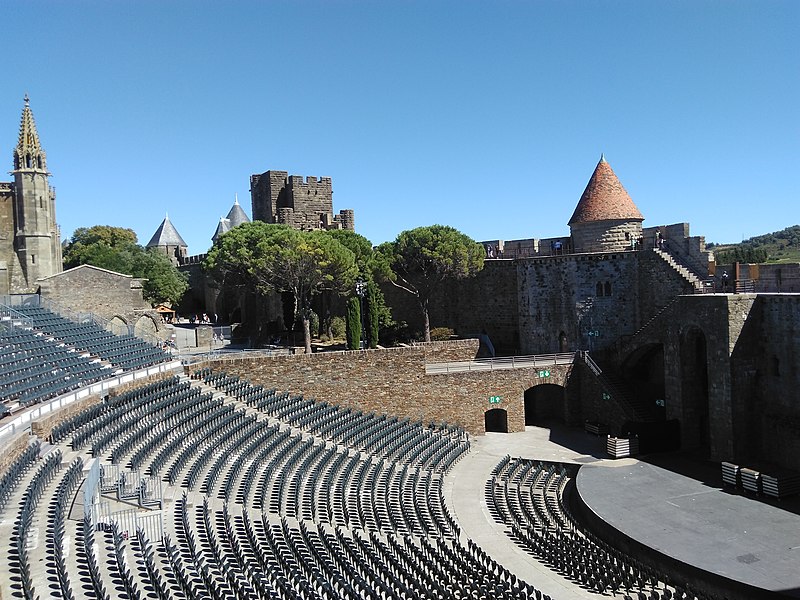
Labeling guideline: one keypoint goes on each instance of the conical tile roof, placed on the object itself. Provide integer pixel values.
(236, 215)
(223, 226)
(166, 235)
(604, 199)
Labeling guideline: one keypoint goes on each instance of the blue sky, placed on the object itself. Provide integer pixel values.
(487, 116)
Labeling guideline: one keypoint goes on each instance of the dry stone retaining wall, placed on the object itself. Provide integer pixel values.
(394, 382)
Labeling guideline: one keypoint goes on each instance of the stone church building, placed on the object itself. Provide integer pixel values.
(30, 239)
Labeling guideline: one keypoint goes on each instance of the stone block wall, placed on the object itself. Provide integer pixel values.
(605, 236)
(43, 427)
(12, 449)
(765, 373)
(563, 299)
(90, 289)
(658, 284)
(486, 302)
(8, 257)
(394, 382)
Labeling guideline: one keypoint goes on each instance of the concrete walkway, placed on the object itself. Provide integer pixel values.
(464, 494)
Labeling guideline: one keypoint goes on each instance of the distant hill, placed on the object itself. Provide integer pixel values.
(777, 247)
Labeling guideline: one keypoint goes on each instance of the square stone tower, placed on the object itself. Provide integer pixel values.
(30, 239)
(302, 203)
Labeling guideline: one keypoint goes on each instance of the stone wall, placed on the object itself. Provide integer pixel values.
(43, 427)
(563, 299)
(7, 255)
(605, 236)
(658, 284)
(484, 303)
(765, 379)
(394, 382)
(12, 449)
(102, 292)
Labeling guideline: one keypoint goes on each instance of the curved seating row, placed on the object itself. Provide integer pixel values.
(264, 509)
(529, 497)
(126, 352)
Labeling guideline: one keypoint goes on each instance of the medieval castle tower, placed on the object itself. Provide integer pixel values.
(30, 244)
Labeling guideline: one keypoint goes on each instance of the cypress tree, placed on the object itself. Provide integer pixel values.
(373, 313)
(353, 323)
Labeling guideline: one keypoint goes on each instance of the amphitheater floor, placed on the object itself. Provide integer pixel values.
(698, 522)
(464, 493)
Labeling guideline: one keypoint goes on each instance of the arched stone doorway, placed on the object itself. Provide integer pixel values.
(496, 420)
(118, 326)
(545, 402)
(695, 423)
(145, 327)
(644, 373)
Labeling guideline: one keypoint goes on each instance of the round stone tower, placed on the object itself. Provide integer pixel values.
(606, 219)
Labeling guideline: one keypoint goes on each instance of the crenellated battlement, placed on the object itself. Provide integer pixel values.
(195, 259)
(304, 203)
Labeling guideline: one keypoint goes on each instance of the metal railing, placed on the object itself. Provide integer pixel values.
(614, 392)
(504, 363)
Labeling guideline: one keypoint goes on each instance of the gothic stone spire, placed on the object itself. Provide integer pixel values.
(29, 154)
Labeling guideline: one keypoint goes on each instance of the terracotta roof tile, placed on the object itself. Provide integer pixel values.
(604, 199)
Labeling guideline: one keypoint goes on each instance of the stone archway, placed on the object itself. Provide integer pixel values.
(496, 420)
(695, 423)
(643, 371)
(145, 327)
(117, 325)
(545, 402)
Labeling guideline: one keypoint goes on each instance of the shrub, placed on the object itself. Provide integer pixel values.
(441, 334)
(337, 328)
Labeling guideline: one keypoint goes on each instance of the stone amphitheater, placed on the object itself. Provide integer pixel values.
(126, 475)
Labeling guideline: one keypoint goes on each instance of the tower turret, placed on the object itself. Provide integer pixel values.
(167, 240)
(37, 241)
(606, 219)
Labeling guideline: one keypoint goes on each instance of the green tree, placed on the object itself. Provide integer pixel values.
(276, 258)
(164, 282)
(353, 323)
(116, 249)
(372, 267)
(421, 259)
(376, 308)
(100, 245)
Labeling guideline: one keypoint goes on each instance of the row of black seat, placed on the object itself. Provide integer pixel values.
(36, 367)
(126, 352)
(529, 497)
(16, 470)
(335, 520)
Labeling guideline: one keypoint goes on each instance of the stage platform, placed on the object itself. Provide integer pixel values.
(696, 523)
(678, 509)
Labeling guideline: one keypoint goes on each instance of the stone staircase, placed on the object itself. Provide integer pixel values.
(683, 270)
(619, 391)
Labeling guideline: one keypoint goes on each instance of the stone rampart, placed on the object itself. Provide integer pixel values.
(393, 381)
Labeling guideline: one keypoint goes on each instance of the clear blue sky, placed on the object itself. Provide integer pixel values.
(487, 116)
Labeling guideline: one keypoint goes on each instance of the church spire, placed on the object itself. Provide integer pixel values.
(29, 154)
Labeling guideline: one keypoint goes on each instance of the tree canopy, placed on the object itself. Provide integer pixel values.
(372, 267)
(116, 249)
(275, 258)
(421, 259)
